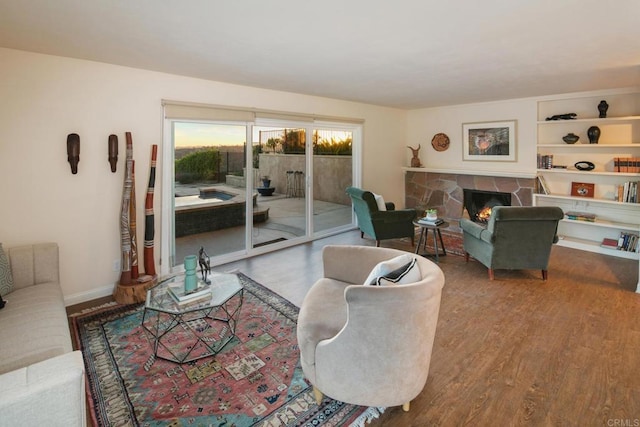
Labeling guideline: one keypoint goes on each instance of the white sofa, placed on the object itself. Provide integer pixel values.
(41, 377)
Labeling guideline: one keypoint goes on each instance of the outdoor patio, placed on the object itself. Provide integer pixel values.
(285, 219)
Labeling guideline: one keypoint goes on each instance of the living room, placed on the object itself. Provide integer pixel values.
(50, 94)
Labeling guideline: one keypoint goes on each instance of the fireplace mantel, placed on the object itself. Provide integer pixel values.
(507, 174)
(443, 190)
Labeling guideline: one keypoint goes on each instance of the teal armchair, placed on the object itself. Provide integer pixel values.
(381, 225)
(516, 237)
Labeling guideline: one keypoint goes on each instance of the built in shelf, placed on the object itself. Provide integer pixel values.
(590, 120)
(604, 224)
(591, 172)
(589, 199)
(590, 146)
(591, 246)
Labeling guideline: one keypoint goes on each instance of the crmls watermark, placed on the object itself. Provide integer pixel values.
(623, 422)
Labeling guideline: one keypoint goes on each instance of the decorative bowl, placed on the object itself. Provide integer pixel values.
(570, 138)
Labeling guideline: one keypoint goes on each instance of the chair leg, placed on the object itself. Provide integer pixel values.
(405, 407)
(377, 243)
(466, 256)
(491, 276)
(317, 394)
(545, 274)
(362, 234)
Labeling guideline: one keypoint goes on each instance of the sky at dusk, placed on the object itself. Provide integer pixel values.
(199, 134)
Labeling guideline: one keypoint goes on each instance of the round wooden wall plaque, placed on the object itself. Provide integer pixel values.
(440, 142)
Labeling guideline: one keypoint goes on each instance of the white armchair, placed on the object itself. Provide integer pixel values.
(368, 345)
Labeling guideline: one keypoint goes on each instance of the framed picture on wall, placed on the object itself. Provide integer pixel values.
(489, 141)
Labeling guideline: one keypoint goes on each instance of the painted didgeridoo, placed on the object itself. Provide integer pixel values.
(133, 229)
(125, 236)
(149, 226)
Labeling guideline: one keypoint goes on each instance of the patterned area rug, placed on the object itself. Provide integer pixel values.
(256, 380)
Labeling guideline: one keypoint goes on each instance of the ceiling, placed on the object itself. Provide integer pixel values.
(403, 53)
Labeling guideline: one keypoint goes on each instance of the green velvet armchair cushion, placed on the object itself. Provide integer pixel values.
(516, 237)
(381, 225)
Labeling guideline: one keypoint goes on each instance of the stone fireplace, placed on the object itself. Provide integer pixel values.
(445, 192)
(479, 203)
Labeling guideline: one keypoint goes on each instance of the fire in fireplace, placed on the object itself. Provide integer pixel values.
(479, 203)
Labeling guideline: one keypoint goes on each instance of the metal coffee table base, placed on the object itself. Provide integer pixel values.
(185, 337)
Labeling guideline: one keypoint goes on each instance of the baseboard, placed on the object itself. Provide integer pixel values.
(88, 295)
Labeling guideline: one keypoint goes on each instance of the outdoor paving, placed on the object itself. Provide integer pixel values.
(286, 221)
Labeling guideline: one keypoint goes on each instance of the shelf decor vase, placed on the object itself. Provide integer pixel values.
(190, 279)
(594, 134)
(602, 109)
(570, 138)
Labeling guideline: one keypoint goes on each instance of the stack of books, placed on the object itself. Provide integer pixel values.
(580, 216)
(177, 292)
(545, 161)
(628, 242)
(609, 243)
(426, 221)
(628, 192)
(627, 164)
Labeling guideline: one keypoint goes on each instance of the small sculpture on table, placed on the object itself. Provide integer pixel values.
(205, 265)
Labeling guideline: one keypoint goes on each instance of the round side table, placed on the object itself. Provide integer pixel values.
(437, 235)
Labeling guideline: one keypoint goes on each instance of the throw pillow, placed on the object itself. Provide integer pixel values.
(400, 275)
(380, 202)
(6, 279)
(399, 270)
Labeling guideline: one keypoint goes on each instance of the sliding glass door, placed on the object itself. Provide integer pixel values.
(280, 203)
(209, 189)
(332, 174)
(236, 188)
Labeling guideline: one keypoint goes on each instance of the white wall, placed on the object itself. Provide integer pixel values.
(44, 98)
(425, 123)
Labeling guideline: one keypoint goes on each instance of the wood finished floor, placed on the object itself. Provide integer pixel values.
(513, 351)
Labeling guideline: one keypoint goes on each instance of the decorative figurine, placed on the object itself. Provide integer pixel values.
(567, 116)
(73, 151)
(112, 146)
(602, 108)
(205, 266)
(415, 160)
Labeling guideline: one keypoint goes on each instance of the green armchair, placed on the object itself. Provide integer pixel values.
(381, 224)
(515, 238)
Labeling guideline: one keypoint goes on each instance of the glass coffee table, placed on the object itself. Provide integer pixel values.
(185, 332)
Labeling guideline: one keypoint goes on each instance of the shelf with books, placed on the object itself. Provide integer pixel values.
(612, 159)
(603, 223)
(594, 246)
(592, 172)
(595, 200)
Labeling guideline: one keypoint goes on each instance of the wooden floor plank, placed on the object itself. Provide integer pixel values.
(513, 351)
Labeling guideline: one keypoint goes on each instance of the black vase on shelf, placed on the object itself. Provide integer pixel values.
(594, 134)
(602, 108)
